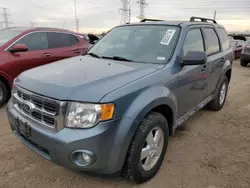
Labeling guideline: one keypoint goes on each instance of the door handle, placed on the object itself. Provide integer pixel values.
(77, 51)
(46, 55)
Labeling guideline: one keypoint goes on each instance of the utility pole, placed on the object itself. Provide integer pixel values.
(77, 20)
(215, 15)
(125, 11)
(142, 4)
(32, 24)
(6, 16)
(129, 14)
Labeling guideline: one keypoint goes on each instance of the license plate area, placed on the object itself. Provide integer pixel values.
(23, 128)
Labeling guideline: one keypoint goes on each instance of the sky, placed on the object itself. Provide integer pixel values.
(101, 15)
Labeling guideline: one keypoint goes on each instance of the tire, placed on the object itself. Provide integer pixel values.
(243, 63)
(3, 93)
(133, 168)
(217, 103)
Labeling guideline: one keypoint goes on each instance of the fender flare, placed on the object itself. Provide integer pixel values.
(139, 108)
(7, 78)
(227, 66)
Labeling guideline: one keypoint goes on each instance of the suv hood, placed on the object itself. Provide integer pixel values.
(82, 78)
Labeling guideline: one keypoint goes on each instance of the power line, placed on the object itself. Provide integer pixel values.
(6, 17)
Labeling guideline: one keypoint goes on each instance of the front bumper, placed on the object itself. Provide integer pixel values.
(106, 141)
(245, 56)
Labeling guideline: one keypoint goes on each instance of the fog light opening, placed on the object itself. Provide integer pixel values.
(83, 158)
(86, 157)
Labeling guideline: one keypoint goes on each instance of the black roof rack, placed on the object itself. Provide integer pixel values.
(193, 18)
(150, 20)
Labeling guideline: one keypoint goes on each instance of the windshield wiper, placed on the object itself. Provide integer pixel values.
(93, 55)
(117, 58)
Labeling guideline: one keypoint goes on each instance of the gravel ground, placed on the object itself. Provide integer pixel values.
(211, 151)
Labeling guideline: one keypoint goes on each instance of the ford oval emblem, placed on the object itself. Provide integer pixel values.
(26, 107)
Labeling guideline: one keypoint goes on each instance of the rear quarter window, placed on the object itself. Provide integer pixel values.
(223, 38)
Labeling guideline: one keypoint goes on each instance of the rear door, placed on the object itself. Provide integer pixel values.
(62, 45)
(215, 57)
(37, 43)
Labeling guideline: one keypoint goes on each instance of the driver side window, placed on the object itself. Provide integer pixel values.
(193, 42)
(35, 41)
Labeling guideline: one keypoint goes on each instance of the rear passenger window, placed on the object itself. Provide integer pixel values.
(193, 42)
(212, 41)
(58, 40)
(224, 38)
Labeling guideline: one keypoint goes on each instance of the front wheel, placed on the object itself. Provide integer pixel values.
(3, 93)
(147, 148)
(220, 97)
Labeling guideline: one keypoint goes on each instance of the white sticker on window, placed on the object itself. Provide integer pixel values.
(161, 58)
(168, 36)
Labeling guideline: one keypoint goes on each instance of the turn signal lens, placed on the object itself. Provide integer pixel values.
(107, 111)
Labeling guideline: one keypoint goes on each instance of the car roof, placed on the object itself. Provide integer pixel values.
(29, 29)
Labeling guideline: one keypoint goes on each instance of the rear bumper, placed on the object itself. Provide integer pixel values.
(245, 56)
(105, 141)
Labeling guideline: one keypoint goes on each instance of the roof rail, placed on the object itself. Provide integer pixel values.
(193, 18)
(150, 20)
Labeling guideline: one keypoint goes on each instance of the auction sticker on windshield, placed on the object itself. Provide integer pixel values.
(168, 36)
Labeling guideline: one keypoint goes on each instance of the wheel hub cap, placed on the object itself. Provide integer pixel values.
(223, 93)
(152, 149)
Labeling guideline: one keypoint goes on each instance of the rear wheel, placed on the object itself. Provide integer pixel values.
(3, 93)
(147, 148)
(220, 97)
(243, 63)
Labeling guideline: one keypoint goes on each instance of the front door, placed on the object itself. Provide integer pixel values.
(37, 43)
(192, 79)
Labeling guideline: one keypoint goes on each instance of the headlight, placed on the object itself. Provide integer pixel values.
(83, 115)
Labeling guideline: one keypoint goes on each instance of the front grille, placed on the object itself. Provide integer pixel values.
(39, 108)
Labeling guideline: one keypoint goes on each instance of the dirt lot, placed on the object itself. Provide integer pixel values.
(213, 151)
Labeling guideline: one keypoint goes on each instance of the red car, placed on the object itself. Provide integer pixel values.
(25, 48)
(237, 46)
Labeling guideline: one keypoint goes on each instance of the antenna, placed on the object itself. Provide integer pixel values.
(215, 15)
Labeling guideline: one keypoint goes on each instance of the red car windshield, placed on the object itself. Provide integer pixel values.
(8, 34)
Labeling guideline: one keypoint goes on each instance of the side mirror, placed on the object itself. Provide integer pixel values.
(19, 48)
(194, 58)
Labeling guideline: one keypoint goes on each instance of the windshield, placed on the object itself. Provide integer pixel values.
(143, 43)
(7, 34)
(233, 43)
